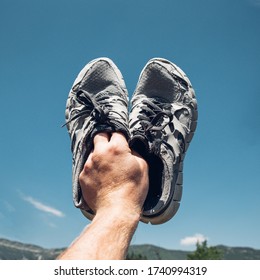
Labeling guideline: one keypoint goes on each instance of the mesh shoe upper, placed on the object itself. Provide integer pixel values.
(162, 123)
(97, 102)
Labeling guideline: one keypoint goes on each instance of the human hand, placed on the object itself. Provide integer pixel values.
(114, 177)
(114, 183)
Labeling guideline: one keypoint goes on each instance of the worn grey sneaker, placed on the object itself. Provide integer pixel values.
(97, 102)
(162, 123)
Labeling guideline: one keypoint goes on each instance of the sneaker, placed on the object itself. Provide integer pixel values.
(98, 101)
(162, 123)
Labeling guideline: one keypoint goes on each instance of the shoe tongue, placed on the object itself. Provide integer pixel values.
(140, 145)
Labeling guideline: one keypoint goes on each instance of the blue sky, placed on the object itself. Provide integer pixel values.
(44, 44)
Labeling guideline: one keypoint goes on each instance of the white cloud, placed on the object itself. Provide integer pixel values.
(43, 207)
(192, 240)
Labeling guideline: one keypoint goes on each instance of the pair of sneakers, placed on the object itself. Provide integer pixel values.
(160, 126)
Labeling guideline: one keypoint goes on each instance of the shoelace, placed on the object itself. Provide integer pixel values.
(152, 119)
(153, 114)
(91, 107)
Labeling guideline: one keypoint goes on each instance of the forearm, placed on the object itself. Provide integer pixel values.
(107, 237)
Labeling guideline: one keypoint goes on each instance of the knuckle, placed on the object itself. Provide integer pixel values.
(87, 167)
(114, 149)
(105, 151)
(97, 157)
(81, 177)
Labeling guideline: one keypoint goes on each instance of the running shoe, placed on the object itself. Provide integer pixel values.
(98, 101)
(162, 123)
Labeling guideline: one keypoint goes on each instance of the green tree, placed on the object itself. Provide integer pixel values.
(135, 256)
(203, 252)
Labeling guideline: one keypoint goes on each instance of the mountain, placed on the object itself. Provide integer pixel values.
(151, 252)
(239, 253)
(13, 250)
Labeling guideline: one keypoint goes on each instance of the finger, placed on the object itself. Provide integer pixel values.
(101, 138)
(119, 138)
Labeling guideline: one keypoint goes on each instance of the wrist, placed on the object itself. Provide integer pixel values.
(119, 213)
(124, 202)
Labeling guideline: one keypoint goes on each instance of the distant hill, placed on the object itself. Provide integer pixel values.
(239, 253)
(13, 250)
(151, 252)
